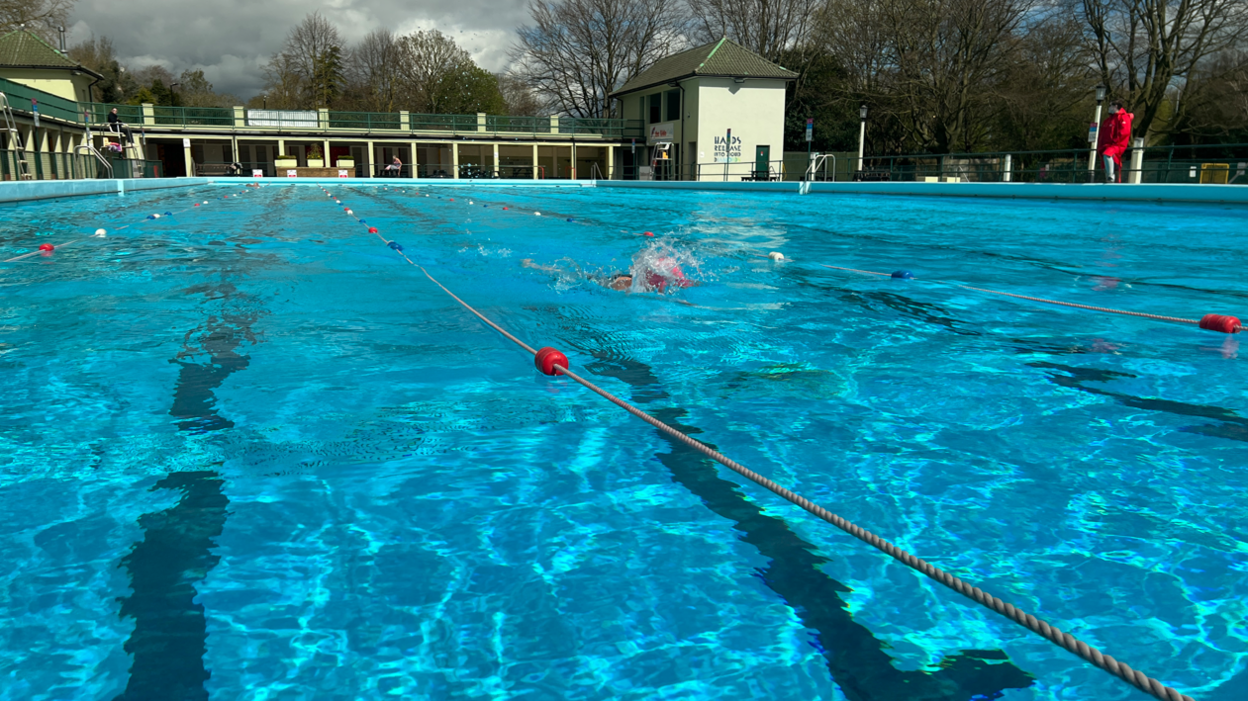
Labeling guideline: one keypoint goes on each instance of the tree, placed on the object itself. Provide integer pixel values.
(432, 66)
(928, 68)
(769, 28)
(520, 99)
(42, 17)
(1144, 49)
(98, 54)
(1216, 98)
(308, 72)
(196, 91)
(327, 80)
(577, 51)
(374, 72)
(283, 86)
(1047, 91)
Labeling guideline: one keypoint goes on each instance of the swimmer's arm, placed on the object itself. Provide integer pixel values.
(528, 263)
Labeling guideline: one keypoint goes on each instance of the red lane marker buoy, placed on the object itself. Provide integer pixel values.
(46, 247)
(504, 209)
(647, 233)
(547, 358)
(1214, 322)
(372, 229)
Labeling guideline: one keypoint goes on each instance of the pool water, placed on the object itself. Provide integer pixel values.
(248, 452)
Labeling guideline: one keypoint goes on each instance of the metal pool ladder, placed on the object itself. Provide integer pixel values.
(88, 146)
(19, 152)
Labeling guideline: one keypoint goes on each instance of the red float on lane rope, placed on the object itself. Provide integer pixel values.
(372, 229)
(1221, 322)
(547, 358)
(46, 247)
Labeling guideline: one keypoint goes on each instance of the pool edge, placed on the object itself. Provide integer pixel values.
(57, 189)
(1096, 192)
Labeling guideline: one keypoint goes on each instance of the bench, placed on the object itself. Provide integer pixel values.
(873, 175)
(760, 176)
(210, 169)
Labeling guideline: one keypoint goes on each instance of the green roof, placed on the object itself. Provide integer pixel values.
(723, 59)
(20, 48)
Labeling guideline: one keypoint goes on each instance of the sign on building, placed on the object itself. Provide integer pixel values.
(663, 131)
(728, 149)
(304, 119)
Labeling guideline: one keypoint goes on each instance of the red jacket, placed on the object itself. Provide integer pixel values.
(1115, 134)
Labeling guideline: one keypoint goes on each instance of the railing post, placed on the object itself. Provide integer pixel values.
(1007, 176)
(149, 113)
(554, 124)
(455, 160)
(480, 121)
(322, 117)
(1137, 162)
(405, 121)
(240, 116)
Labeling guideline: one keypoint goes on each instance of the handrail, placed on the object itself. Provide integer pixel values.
(99, 156)
(821, 159)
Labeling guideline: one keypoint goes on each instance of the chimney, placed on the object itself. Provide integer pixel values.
(62, 31)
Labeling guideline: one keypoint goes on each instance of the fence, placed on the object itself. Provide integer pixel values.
(70, 166)
(1214, 163)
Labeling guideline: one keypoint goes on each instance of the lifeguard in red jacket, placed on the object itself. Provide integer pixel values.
(1115, 138)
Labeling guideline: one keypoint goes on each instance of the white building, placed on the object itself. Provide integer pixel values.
(712, 113)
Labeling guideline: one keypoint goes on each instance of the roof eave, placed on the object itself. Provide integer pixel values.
(639, 88)
(81, 69)
(630, 91)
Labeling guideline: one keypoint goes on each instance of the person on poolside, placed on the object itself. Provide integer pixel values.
(395, 167)
(117, 126)
(658, 277)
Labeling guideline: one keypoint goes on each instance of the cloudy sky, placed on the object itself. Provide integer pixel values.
(231, 39)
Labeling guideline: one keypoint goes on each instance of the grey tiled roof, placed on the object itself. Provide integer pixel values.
(21, 48)
(723, 58)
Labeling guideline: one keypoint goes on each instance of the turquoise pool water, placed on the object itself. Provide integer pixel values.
(246, 452)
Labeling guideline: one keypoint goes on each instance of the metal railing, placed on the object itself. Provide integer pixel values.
(1221, 163)
(55, 107)
(187, 116)
(72, 166)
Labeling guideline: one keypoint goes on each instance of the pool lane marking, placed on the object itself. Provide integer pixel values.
(1065, 640)
(1202, 323)
(99, 235)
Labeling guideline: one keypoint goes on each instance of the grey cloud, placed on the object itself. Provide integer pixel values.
(231, 39)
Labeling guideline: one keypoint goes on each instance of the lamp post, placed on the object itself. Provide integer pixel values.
(264, 100)
(862, 132)
(1094, 134)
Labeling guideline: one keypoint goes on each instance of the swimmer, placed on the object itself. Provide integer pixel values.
(667, 272)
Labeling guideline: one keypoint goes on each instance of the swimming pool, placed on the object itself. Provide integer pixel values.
(248, 452)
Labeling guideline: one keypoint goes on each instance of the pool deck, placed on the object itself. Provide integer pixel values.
(16, 192)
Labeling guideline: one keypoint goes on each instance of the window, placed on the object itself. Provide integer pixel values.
(656, 102)
(673, 105)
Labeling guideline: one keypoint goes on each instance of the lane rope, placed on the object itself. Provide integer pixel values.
(103, 233)
(1065, 640)
(1211, 322)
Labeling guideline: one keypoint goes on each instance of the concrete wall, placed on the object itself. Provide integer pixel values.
(754, 110)
(15, 192)
(62, 83)
(1099, 192)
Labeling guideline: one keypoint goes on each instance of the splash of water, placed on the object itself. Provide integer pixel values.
(662, 266)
